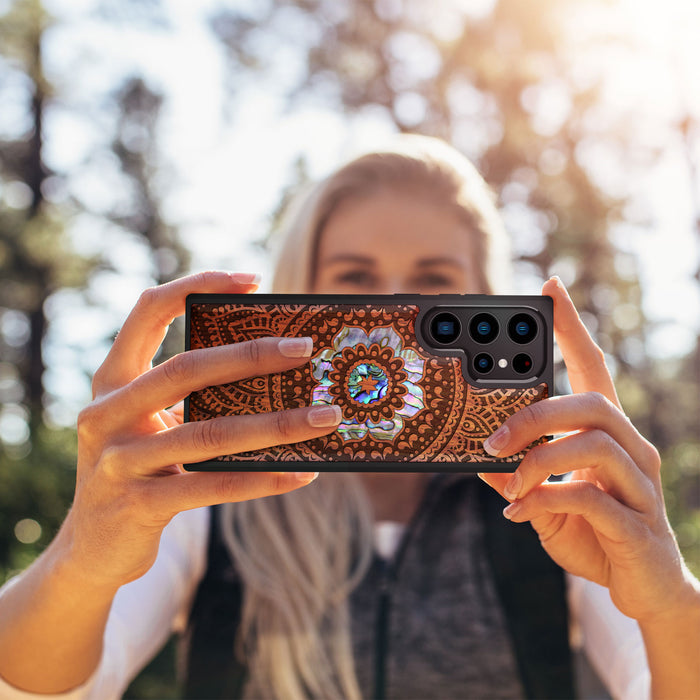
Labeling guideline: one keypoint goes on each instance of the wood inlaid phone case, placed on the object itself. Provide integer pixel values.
(421, 381)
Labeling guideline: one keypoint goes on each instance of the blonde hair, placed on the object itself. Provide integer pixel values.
(417, 163)
(299, 555)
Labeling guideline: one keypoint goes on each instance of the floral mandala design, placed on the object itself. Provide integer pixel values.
(374, 380)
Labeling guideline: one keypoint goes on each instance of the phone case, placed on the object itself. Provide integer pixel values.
(408, 403)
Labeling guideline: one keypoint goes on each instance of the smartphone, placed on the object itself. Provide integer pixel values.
(421, 380)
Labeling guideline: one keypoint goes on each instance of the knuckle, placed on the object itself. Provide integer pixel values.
(147, 298)
(111, 462)
(251, 351)
(533, 462)
(597, 355)
(225, 487)
(89, 422)
(181, 368)
(532, 416)
(597, 402)
(86, 420)
(97, 381)
(199, 279)
(209, 436)
(588, 494)
(282, 427)
(606, 445)
(652, 457)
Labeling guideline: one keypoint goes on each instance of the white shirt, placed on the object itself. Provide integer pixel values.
(147, 611)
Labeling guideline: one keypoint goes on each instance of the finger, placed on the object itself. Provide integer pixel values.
(176, 414)
(145, 327)
(190, 371)
(610, 519)
(188, 490)
(585, 361)
(565, 414)
(208, 439)
(594, 451)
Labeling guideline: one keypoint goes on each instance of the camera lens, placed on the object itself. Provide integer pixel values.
(522, 328)
(522, 363)
(483, 328)
(445, 328)
(483, 363)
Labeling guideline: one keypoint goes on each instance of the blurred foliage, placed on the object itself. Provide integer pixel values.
(483, 81)
(37, 260)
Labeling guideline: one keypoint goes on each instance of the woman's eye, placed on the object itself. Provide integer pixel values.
(435, 281)
(359, 278)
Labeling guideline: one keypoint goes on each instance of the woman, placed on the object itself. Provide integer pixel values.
(295, 573)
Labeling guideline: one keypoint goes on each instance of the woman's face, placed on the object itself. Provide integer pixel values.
(395, 242)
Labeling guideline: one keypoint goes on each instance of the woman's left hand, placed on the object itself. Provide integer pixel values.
(608, 523)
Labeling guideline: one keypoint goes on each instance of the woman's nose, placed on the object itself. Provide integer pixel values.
(396, 285)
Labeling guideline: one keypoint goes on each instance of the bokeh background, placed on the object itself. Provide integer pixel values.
(142, 139)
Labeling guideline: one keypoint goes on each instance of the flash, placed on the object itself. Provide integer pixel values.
(503, 363)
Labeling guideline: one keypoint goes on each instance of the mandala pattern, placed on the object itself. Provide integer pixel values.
(374, 380)
(399, 402)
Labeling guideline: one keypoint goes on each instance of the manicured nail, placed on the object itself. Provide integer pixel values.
(325, 416)
(512, 510)
(512, 488)
(497, 441)
(305, 477)
(295, 347)
(561, 285)
(246, 277)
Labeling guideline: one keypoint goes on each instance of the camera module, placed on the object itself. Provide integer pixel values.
(483, 328)
(445, 328)
(522, 363)
(522, 328)
(483, 363)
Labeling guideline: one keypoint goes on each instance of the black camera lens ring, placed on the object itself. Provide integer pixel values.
(483, 363)
(483, 328)
(522, 363)
(445, 328)
(522, 328)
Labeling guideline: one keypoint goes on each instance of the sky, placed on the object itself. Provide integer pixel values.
(230, 165)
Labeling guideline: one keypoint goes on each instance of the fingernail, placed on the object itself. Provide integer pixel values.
(512, 488)
(558, 281)
(512, 510)
(497, 441)
(306, 477)
(246, 277)
(324, 416)
(295, 347)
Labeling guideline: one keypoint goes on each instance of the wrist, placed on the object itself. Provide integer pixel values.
(672, 643)
(684, 608)
(72, 563)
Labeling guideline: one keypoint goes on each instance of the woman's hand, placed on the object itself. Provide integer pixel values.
(130, 480)
(608, 523)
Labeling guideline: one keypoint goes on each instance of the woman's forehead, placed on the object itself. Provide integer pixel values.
(393, 223)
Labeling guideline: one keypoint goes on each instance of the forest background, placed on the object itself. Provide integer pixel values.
(143, 139)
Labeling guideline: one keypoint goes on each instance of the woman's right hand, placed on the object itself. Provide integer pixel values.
(130, 480)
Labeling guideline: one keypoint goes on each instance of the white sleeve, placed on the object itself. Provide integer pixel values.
(144, 612)
(611, 641)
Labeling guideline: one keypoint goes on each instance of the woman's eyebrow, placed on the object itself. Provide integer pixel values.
(350, 258)
(430, 262)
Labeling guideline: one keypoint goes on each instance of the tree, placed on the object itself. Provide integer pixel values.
(37, 257)
(503, 84)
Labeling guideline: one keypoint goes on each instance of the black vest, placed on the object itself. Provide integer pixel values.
(530, 586)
